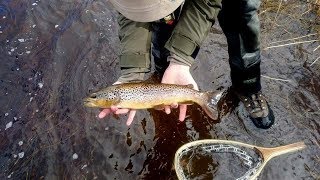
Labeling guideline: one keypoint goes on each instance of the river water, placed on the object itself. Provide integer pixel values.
(54, 53)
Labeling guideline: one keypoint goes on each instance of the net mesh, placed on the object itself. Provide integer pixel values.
(252, 163)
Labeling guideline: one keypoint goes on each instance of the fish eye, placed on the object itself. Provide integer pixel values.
(93, 96)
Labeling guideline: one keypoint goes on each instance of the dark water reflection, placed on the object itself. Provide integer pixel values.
(53, 53)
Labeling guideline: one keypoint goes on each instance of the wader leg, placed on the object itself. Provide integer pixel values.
(240, 23)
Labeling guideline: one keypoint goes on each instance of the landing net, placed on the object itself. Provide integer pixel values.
(248, 163)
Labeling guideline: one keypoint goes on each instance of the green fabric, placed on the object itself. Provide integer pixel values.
(193, 26)
(135, 60)
(135, 41)
(183, 47)
(238, 19)
(178, 60)
(132, 74)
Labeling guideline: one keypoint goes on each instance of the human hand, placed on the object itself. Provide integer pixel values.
(178, 74)
(116, 110)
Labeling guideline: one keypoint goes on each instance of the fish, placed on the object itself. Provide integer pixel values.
(143, 95)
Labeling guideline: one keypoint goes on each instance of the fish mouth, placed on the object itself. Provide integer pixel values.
(89, 102)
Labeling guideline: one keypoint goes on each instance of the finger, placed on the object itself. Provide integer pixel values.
(167, 109)
(104, 113)
(114, 108)
(122, 111)
(182, 112)
(174, 105)
(132, 113)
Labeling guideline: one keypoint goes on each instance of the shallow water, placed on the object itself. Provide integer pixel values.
(54, 53)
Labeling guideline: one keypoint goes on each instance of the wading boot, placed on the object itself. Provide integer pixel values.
(259, 111)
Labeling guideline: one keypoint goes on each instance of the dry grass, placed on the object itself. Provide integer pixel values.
(290, 23)
(276, 79)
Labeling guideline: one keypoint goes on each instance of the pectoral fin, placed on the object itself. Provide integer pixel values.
(116, 101)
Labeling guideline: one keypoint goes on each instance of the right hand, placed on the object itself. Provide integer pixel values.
(178, 74)
(116, 110)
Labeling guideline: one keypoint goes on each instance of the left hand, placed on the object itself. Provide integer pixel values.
(178, 74)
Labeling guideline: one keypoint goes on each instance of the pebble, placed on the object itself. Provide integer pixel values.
(9, 125)
(21, 155)
(75, 156)
(40, 85)
(9, 176)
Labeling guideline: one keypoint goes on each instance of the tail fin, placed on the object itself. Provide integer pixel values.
(210, 103)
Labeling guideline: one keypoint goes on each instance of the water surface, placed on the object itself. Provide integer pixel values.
(54, 53)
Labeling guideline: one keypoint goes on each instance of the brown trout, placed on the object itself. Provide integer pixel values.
(152, 95)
